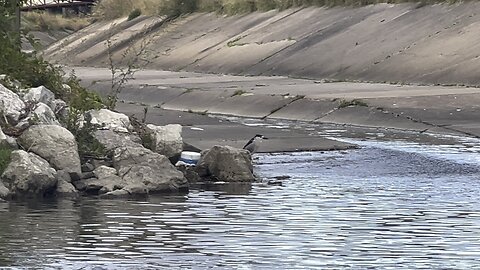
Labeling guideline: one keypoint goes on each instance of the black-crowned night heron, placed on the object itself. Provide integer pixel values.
(252, 145)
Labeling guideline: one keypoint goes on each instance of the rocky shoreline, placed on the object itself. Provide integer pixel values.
(42, 156)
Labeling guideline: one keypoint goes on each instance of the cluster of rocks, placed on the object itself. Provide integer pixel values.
(45, 160)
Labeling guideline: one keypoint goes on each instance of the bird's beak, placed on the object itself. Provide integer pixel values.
(265, 138)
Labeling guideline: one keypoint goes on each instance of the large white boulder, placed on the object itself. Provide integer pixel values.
(55, 144)
(104, 172)
(109, 120)
(29, 175)
(10, 104)
(39, 94)
(139, 167)
(225, 163)
(43, 114)
(112, 140)
(167, 140)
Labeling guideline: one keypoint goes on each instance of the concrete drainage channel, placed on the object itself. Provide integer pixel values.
(187, 98)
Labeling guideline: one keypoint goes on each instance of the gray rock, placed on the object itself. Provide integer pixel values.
(87, 175)
(65, 189)
(4, 192)
(29, 175)
(112, 140)
(116, 194)
(140, 166)
(23, 124)
(60, 108)
(167, 140)
(75, 176)
(43, 115)
(101, 162)
(106, 180)
(104, 172)
(55, 144)
(97, 186)
(39, 94)
(57, 105)
(109, 120)
(10, 104)
(12, 142)
(136, 190)
(100, 186)
(190, 173)
(6, 140)
(64, 176)
(88, 167)
(225, 163)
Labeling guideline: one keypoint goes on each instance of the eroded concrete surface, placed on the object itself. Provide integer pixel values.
(411, 42)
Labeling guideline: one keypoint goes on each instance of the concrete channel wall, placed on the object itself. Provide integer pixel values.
(437, 44)
(300, 64)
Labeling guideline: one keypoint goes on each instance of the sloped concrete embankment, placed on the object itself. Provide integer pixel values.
(437, 44)
(403, 107)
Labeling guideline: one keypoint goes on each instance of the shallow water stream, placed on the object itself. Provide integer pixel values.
(387, 205)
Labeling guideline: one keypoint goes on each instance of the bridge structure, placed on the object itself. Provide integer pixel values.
(58, 5)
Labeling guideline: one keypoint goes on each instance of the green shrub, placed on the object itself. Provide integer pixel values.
(239, 93)
(232, 7)
(354, 102)
(88, 145)
(174, 8)
(210, 6)
(5, 153)
(265, 5)
(32, 71)
(46, 21)
(134, 14)
(110, 9)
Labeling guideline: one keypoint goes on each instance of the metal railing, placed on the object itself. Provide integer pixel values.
(51, 4)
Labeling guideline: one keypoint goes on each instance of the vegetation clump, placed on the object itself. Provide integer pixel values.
(30, 70)
(239, 93)
(354, 102)
(110, 9)
(5, 154)
(48, 22)
(134, 14)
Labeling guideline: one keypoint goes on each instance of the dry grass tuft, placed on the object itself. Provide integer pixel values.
(111, 9)
(44, 21)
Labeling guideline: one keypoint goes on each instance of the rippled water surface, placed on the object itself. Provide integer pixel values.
(387, 205)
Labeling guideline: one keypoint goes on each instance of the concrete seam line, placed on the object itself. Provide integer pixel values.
(281, 107)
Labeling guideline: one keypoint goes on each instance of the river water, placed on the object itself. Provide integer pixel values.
(390, 204)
